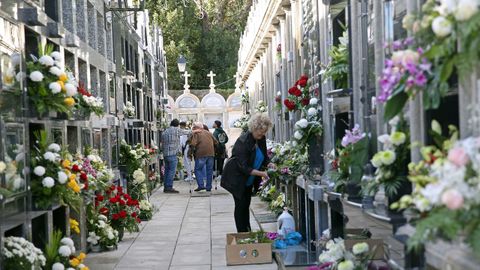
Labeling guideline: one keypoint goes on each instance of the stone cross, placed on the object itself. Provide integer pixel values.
(212, 85)
(186, 87)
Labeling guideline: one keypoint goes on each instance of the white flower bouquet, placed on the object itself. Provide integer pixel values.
(21, 254)
(129, 110)
(336, 256)
(390, 163)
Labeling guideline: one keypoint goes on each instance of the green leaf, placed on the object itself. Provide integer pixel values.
(447, 70)
(395, 105)
(435, 51)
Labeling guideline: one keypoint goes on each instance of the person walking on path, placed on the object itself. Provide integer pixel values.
(203, 143)
(187, 158)
(221, 150)
(171, 146)
(244, 170)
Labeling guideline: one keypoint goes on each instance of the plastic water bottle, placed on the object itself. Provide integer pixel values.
(285, 223)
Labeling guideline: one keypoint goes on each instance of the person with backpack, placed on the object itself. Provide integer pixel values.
(220, 150)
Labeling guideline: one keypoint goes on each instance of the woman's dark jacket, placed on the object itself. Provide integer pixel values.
(239, 166)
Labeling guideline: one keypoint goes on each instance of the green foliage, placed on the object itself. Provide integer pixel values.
(337, 69)
(51, 249)
(208, 43)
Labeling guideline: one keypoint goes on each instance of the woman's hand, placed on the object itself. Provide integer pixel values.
(262, 174)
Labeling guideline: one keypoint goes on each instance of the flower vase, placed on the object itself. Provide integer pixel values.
(121, 231)
(404, 189)
(314, 152)
(95, 248)
(111, 248)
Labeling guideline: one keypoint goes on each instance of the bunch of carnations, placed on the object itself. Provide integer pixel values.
(100, 232)
(298, 95)
(309, 126)
(121, 209)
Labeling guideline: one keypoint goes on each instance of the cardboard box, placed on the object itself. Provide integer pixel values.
(240, 254)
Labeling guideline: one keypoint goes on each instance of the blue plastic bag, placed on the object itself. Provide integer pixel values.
(292, 239)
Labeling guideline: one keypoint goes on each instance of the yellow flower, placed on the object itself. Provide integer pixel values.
(74, 226)
(73, 177)
(76, 189)
(81, 256)
(62, 84)
(74, 262)
(63, 77)
(66, 164)
(69, 101)
(85, 268)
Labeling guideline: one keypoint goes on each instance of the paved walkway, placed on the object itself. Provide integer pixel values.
(186, 233)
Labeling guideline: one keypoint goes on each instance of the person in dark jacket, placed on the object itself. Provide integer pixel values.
(221, 150)
(244, 170)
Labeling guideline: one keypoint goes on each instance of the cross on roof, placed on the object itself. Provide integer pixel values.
(238, 81)
(186, 75)
(211, 75)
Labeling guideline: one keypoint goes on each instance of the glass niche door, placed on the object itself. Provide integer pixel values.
(13, 184)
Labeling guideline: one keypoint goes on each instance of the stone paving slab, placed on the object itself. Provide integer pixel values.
(186, 233)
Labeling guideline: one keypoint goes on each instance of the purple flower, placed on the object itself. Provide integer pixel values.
(420, 79)
(397, 45)
(353, 136)
(325, 266)
(271, 235)
(409, 41)
(425, 65)
(285, 170)
(411, 67)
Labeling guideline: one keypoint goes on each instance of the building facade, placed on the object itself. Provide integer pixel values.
(115, 51)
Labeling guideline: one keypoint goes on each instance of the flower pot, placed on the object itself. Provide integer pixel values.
(120, 234)
(110, 248)
(353, 191)
(95, 248)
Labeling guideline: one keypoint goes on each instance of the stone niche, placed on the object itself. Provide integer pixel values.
(234, 102)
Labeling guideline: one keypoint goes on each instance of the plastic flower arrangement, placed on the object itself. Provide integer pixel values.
(391, 163)
(298, 95)
(348, 159)
(50, 88)
(446, 192)
(337, 257)
(60, 254)
(129, 110)
(53, 178)
(405, 74)
(337, 69)
(438, 28)
(21, 254)
(89, 103)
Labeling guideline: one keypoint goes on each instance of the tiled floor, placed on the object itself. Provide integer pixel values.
(187, 232)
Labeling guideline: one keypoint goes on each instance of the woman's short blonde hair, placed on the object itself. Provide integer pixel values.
(259, 121)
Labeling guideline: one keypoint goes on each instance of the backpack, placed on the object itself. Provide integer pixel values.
(222, 137)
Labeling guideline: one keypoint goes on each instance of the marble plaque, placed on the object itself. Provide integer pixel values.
(187, 102)
(236, 102)
(213, 101)
(232, 117)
